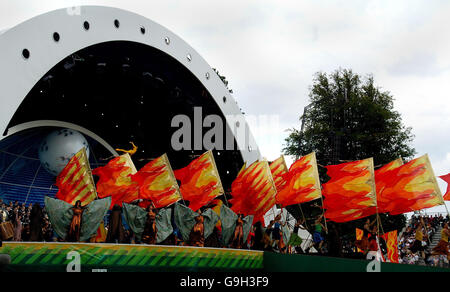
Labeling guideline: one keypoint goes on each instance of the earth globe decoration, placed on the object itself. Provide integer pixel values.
(59, 147)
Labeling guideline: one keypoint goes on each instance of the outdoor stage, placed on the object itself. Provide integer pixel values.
(44, 257)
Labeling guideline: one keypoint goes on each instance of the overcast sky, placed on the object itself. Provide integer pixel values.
(269, 51)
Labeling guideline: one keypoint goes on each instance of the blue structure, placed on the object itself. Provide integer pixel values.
(22, 178)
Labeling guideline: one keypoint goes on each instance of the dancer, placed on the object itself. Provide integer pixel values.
(76, 223)
(442, 247)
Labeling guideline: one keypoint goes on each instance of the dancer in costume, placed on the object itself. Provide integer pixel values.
(194, 227)
(235, 228)
(442, 247)
(149, 226)
(75, 226)
(317, 235)
(76, 223)
(418, 243)
(368, 229)
(116, 233)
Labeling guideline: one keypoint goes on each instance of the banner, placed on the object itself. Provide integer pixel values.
(350, 194)
(253, 191)
(279, 169)
(200, 181)
(302, 183)
(157, 183)
(411, 187)
(75, 182)
(115, 180)
(446, 178)
(391, 239)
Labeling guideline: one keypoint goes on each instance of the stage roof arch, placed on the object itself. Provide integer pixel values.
(116, 75)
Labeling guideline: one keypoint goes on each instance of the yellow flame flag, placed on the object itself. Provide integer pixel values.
(158, 183)
(391, 239)
(301, 182)
(350, 194)
(200, 181)
(279, 170)
(75, 182)
(254, 191)
(410, 187)
(115, 180)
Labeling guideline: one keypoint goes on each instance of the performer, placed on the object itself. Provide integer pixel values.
(36, 223)
(442, 247)
(238, 236)
(317, 235)
(418, 245)
(116, 233)
(197, 235)
(195, 227)
(296, 241)
(76, 223)
(149, 226)
(75, 226)
(368, 229)
(150, 230)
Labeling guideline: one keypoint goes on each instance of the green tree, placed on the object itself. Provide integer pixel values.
(350, 118)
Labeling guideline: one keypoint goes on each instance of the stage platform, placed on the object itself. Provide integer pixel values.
(55, 257)
(128, 258)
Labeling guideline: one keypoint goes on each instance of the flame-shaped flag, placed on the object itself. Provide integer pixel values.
(350, 194)
(157, 183)
(411, 187)
(391, 239)
(383, 176)
(279, 169)
(115, 180)
(302, 183)
(446, 178)
(200, 181)
(253, 191)
(359, 236)
(75, 182)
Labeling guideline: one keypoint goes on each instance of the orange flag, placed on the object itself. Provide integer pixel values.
(383, 176)
(446, 178)
(253, 191)
(302, 183)
(157, 183)
(115, 180)
(279, 169)
(359, 236)
(350, 194)
(75, 181)
(411, 187)
(200, 181)
(391, 239)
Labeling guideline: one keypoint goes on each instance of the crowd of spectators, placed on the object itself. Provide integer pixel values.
(20, 215)
(421, 230)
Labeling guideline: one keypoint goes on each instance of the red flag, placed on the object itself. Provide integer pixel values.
(157, 183)
(279, 170)
(302, 182)
(75, 181)
(391, 239)
(383, 178)
(200, 181)
(350, 193)
(254, 191)
(410, 187)
(446, 178)
(115, 181)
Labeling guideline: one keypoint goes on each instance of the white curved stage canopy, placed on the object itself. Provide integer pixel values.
(115, 77)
